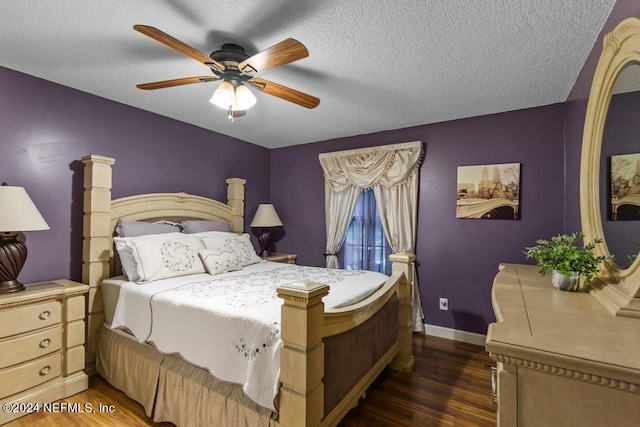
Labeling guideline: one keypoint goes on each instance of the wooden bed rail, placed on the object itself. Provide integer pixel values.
(305, 323)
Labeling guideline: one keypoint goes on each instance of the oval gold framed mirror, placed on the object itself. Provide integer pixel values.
(618, 284)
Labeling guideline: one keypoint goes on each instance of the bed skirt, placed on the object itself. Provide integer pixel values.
(171, 389)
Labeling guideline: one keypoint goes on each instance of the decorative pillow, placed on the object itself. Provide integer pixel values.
(193, 226)
(125, 252)
(219, 261)
(239, 244)
(126, 228)
(156, 258)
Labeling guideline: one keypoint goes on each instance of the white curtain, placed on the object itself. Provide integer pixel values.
(335, 206)
(392, 171)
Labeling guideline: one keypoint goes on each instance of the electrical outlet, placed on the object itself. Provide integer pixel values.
(444, 304)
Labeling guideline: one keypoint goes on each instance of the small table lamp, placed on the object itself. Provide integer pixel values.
(17, 213)
(265, 217)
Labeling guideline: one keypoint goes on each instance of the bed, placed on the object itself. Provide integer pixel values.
(327, 357)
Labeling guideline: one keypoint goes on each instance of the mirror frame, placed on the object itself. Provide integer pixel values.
(618, 289)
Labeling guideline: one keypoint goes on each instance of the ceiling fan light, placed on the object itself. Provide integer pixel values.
(224, 96)
(244, 98)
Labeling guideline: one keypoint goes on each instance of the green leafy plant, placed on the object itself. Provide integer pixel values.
(566, 255)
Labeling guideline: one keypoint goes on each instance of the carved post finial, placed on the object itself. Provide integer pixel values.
(302, 355)
(404, 263)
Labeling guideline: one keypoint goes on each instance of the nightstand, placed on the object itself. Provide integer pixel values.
(280, 257)
(42, 333)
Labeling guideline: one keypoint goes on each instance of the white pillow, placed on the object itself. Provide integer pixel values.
(202, 234)
(125, 252)
(155, 259)
(239, 244)
(219, 261)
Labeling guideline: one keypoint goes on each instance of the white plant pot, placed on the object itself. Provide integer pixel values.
(565, 282)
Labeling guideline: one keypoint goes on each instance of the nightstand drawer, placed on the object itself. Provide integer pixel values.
(23, 377)
(38, 344)
(28, 318)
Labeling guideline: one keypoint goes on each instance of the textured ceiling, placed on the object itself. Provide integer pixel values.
(375, 64)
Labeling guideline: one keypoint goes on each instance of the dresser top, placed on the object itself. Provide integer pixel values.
(43, 290)
(539, 324)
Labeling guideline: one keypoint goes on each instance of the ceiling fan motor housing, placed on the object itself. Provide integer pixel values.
(229, 53)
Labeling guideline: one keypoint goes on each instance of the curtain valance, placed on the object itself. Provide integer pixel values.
(386, 166)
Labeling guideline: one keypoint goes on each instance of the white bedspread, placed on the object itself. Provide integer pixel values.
(230, 323)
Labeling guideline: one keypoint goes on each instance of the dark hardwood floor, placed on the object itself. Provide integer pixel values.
(450, 386)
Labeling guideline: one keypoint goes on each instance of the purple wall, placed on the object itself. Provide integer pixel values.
(457, 258)
(45, 129)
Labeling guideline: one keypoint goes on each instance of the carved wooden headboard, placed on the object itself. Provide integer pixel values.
(101, 214)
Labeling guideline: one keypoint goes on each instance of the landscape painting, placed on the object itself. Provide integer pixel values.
(625, 187)
(488, 191)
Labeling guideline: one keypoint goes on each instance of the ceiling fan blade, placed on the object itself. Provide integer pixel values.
(176, 82)
(176, 44)
(284, 92)
(282, 53)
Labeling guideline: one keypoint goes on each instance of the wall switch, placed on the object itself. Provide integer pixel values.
(444, 304)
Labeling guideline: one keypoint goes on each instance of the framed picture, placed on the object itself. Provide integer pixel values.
(625, 187)
(489, 191)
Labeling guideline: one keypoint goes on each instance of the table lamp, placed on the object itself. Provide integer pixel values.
(17, 214)
(265, 218)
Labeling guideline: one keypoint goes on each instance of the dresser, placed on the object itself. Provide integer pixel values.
(562, 358)
(42, 353)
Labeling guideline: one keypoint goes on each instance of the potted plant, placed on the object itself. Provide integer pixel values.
(567, 259)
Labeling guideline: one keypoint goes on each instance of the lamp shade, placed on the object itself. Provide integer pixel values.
(17, 211)
(266, 216)
(244, 98)
(224, 96)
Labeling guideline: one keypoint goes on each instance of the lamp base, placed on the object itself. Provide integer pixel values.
(11, 286)
(264, 237)
(13, 254)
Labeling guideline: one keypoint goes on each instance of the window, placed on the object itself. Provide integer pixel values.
(365, 246)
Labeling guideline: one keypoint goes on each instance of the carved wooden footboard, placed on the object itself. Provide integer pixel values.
(304, 326)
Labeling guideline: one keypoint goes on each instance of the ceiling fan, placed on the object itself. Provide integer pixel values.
(235, 68)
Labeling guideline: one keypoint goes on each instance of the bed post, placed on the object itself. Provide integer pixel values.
(403, 263)
(96, 243)
(235, 199)
(302, 355)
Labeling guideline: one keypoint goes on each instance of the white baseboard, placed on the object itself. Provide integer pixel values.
(454, 334)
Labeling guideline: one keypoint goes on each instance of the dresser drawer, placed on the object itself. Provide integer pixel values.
(18, 350)
(30, 317)
(22, 377)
